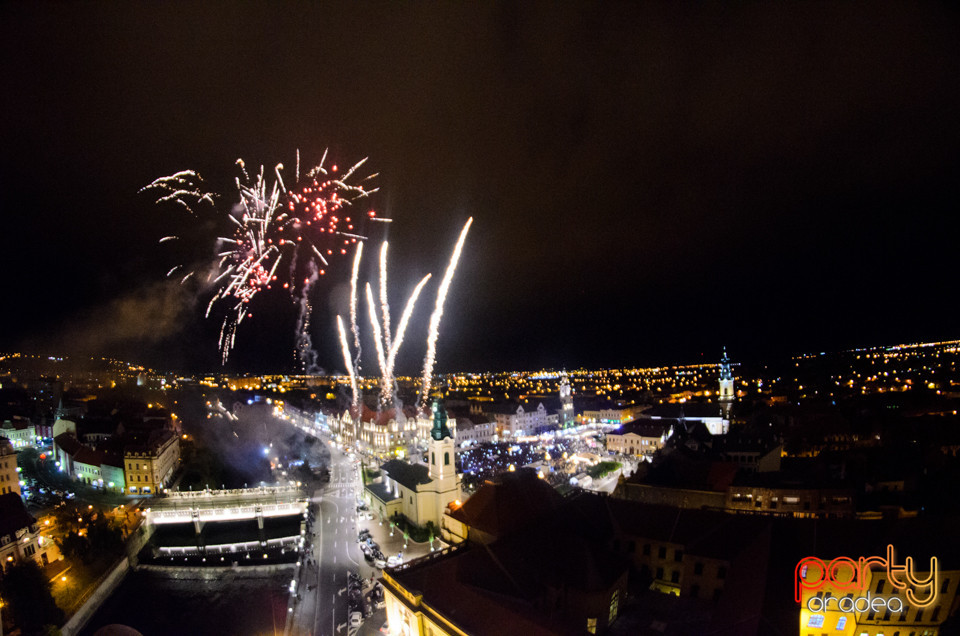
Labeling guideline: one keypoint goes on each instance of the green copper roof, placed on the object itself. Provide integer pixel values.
(440, 429)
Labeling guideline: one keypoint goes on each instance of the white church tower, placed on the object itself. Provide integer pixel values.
(445, 482)
(567, 417)
(727, 394)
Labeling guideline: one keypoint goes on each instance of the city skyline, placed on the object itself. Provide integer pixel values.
(639, 197)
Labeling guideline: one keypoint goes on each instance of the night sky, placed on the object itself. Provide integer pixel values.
(648, 182)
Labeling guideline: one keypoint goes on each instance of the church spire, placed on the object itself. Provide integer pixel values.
(726, 373)
(440, 430)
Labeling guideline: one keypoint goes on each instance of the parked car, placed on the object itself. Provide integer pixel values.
(394, 561)
(356, 619)
(380, 563)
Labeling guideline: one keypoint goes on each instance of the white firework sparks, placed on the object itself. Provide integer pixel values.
(385, 390)
(384, 304)
(433, 331)
(345, 349)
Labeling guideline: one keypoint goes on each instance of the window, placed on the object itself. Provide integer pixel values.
(880, 586)
(816, 620)
(614, 605)
(871, 615)
(936, 613)
(433, 458)
(646, 549)
(675, 576)
(678, 555)
(698, 568)
(841, 623)
(662, 553)
(660, 573)
(919, 618)
(694, 591)
(592, 625)
(446, 459)
(946, 584)
(716, 594)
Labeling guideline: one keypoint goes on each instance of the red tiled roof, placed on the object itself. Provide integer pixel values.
(513, 501)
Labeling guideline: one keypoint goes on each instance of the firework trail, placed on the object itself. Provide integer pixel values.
(384, 304)
(402, 326)
(272, 224)
(378, 341)
(434, 327)
(345, 349)
(304, 351)
(353, 297)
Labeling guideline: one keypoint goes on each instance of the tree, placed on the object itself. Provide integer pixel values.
(74, 545)
(27, 591)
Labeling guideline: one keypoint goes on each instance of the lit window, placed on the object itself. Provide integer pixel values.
(841, 623)
(816, 620)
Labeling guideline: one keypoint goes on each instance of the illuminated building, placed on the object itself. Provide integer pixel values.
(838, 604)
(515, 421)
(639, 438)
(93, 467)
(512, 576)
(20, 537)
(9, 477)
(420, 493)
(20, 432)
(379, 432)
(474, 429)
(150, 464)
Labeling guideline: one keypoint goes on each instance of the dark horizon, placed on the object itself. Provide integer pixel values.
(648, 183)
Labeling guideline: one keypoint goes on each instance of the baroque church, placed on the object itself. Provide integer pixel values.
(420, 492)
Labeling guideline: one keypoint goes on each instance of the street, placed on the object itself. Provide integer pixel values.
(334, 552)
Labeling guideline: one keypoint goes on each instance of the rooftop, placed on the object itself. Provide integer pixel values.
(407, 475)
(13, 514)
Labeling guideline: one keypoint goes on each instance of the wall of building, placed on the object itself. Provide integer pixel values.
(9, 477)
(676, 497)
(793, 502)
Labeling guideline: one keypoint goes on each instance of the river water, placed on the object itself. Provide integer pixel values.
(240, 603)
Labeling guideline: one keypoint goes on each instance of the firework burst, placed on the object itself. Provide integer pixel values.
(272, 224)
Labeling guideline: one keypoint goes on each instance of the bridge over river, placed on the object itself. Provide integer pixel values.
(228, 521)
(227, 505)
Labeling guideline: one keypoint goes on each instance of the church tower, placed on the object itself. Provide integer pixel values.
(444, 487)
(440, 447)
(726, 386)
(567, 417)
